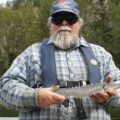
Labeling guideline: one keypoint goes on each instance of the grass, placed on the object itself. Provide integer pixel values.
(4, 112)
(115, 113)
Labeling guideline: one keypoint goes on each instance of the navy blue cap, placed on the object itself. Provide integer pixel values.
(65, 6)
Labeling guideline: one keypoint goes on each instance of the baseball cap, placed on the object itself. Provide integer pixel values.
(65, 6)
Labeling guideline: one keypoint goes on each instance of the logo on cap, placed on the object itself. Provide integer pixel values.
(61, 1)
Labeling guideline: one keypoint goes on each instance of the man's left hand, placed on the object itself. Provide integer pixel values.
(105, 95)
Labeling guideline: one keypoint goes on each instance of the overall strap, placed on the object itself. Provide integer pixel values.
(49, 77)
(94, 75)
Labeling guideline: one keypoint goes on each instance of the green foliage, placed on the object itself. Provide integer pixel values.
(19, 29)
(43, 14)
(4, 112)
(115, 113)
(115, 23)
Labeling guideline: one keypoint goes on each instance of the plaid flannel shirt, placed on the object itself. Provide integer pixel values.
(17, 92)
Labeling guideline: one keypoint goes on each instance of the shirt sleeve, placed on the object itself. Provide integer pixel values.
(15, 92)
(115, 72)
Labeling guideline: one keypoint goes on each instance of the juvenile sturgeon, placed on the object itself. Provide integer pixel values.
(86, 91)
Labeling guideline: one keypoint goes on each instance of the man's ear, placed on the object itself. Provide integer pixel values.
(81, 22)
(49, 22)
(48, 25)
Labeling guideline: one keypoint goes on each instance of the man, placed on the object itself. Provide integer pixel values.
(30, 83)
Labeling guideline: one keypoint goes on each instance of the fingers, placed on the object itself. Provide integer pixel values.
(104, 95)
(111, 92)
(54, 88)
(108, 79)
(101, 97)
(58, 98)
(46, 96)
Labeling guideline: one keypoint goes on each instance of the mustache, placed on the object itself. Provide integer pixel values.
(62, 29)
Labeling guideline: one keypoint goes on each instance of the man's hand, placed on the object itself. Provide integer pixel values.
(47, 96)
(106, 94)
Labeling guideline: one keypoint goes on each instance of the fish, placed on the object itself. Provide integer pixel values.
(88, 90)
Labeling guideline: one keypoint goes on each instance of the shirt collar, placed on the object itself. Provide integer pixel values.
(82, 42)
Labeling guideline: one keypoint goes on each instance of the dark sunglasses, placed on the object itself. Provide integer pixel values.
(58, 19)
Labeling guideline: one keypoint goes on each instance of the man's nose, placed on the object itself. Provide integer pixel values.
(64, 22)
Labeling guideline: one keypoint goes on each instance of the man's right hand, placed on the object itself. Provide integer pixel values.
(47, 96)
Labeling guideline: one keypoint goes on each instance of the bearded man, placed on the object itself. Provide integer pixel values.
(65, 59)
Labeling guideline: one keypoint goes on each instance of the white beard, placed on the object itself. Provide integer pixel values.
(65, 40)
